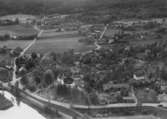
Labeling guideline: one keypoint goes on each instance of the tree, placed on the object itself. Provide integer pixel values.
(3, 50)
(68, 57)
(30, 63)
(20, 61)
(62, 90)
(17, 51)
(48, 77)
(163, 74)
(93, 98)
(6, 36)
(34, 55)
(17, 21)
(4, 75)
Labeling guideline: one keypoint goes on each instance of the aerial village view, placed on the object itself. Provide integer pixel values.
(83, 59)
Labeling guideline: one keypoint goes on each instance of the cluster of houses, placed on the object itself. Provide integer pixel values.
(17, 19)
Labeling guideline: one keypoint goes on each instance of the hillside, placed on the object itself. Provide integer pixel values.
(117, 7)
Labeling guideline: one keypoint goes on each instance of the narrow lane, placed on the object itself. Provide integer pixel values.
(32, 42)
(100, 38)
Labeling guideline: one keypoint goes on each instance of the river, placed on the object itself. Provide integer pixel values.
(22, 111)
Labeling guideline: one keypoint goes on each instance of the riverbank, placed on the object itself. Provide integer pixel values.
(21, 111)
(5, 103)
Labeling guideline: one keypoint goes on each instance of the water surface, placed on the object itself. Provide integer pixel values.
(22, 111)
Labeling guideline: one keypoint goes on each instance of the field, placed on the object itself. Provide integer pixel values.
(51, 41)
(59, 45)
(17, 29)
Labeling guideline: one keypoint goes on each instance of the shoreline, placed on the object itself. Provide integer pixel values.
(5, 103)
